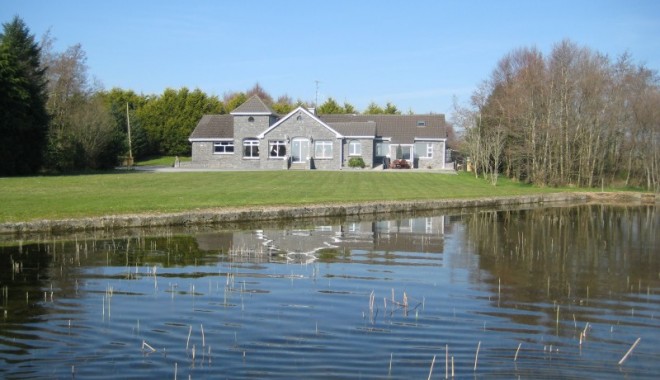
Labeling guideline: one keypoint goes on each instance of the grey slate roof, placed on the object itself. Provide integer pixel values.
(214, 127)
(254, 105)
(402, 129)
(353, 128)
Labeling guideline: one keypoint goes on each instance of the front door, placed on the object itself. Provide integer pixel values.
(299, 150)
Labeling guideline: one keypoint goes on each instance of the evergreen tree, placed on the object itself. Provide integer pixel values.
(330, 107)
(23, 116)
(391, 109)
(373, 109)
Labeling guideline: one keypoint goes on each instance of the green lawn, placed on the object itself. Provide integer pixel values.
(57, 197)
(161, 161)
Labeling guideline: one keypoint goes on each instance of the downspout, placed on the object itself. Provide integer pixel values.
(341, 152)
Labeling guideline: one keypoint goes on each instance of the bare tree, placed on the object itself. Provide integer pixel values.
(573, 118)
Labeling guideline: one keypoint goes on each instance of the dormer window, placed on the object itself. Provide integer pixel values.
(421, 123)
(251, 119)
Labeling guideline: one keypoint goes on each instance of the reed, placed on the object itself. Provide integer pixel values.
(517, 350)
(372, 299)
(625, 357)
(188, 340)
(201, 326)
(148, 346)
(446, 361)
(476, 356)
(574, 321)
(586, 327)
(431, 370)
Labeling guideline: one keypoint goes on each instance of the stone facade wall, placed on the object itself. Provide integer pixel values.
(367, 146)
(438, 159)
(303, 126)
(229, 215)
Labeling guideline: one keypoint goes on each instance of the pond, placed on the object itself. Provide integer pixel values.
(554, 292)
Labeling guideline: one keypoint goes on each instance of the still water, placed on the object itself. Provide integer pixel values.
(559, 292)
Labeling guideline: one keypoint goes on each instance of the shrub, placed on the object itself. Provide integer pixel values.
(356, 162)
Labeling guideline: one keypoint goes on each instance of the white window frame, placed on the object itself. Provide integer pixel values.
(223, 145)
(382, 148)
(326, 149)
(352, 151)
(423, 150)
(429, 150)
(274, 146)
(251, 143)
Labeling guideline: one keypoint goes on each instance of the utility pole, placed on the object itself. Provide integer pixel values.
(130, 149)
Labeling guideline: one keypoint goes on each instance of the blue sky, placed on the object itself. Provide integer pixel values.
(415, 54)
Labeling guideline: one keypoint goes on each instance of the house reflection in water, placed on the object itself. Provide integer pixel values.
(328, 241)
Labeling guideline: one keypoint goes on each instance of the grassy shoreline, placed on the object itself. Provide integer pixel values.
(26, 199)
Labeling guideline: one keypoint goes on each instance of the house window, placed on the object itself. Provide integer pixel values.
(250, 148)
(323, 149)
(382, 149)
(276, 149)
(421, 123)
(251, 119)
(424, 150)
(354, 148)
(223, 147)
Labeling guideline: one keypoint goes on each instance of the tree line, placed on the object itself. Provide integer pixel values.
(55, 117)
(574, 117)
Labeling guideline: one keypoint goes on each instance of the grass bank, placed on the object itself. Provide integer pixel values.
(117, 193)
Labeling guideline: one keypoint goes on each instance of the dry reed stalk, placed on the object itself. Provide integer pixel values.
(452, 366)
(476, 356)
(431, 370)
(574, 321)
(516, 356)
(188, 341)
(145, 344)
(623, 359)
(446, 361)
(203, 339)
(584, 333)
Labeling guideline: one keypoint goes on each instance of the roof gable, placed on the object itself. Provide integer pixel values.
(294, 112)
(253, 106)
